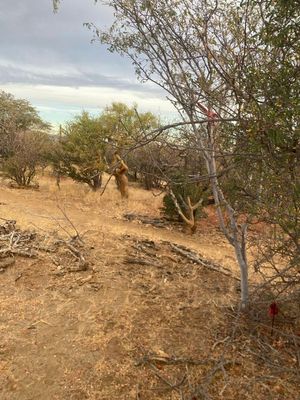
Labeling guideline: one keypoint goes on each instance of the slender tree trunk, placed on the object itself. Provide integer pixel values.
(236, 236)
(244, 277)
(96, 182)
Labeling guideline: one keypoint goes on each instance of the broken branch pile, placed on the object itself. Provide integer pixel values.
(14, 242)
(197, 259)
(147, 252)
(144, 253)
(145, 219)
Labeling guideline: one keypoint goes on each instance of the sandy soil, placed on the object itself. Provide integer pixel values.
(103, 215)
(90, 334)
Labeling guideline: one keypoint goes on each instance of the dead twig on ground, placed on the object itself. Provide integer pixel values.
(23, 243)
(173, 386)
(147, 220)
(64, 213)
(220, 342)
(195, 258)
(138, 261)
(155, 358)
(18, 277)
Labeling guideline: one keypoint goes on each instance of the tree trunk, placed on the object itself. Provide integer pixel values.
(235, 236)
(96, 182)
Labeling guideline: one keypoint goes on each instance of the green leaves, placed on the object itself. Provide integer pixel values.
(23, 139)
(18, 115)
(124, 125)
(87, 141)
(81, 151)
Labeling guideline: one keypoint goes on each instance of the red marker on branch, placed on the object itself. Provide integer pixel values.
(273, 310)
(209, 113)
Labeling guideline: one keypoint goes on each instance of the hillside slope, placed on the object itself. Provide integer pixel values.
(141, 322)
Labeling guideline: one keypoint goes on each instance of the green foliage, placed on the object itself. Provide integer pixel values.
(27, 151)
(265, 184)
(148, 161)
(18, 114)
(23, 139)
(124, 126)
(182, 189)
(80, 154)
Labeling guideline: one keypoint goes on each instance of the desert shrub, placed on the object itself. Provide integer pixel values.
(80, 152)
(88, 142)
(26, 152)
(183, 188)
(147, 164)
(23, 139)
(124, 126)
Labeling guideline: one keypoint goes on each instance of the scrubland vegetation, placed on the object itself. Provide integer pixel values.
(185, 237)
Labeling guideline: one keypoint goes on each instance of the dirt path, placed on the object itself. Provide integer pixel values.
(76, 336)
(69, 335)
(39, 209)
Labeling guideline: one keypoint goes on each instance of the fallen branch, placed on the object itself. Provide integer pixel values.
(77, 236)
(145, 219)
(173, 386)
(18, 243)
(194, 257)
(140, 261)
(18, 277)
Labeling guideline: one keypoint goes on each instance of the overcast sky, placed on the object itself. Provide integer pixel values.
(49, 60)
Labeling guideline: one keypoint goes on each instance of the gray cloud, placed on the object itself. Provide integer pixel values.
(12, 74)
(40, 48)
(31, 33)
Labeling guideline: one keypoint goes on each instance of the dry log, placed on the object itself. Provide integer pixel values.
(18, 252)
(145, 219)
(194, 257)
(24, 253)
(139, 261)
(145, 251)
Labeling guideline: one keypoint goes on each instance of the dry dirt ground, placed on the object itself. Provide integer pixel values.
(141, 322)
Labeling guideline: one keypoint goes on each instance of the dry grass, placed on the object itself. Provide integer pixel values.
(110, 203)
(165, 330)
